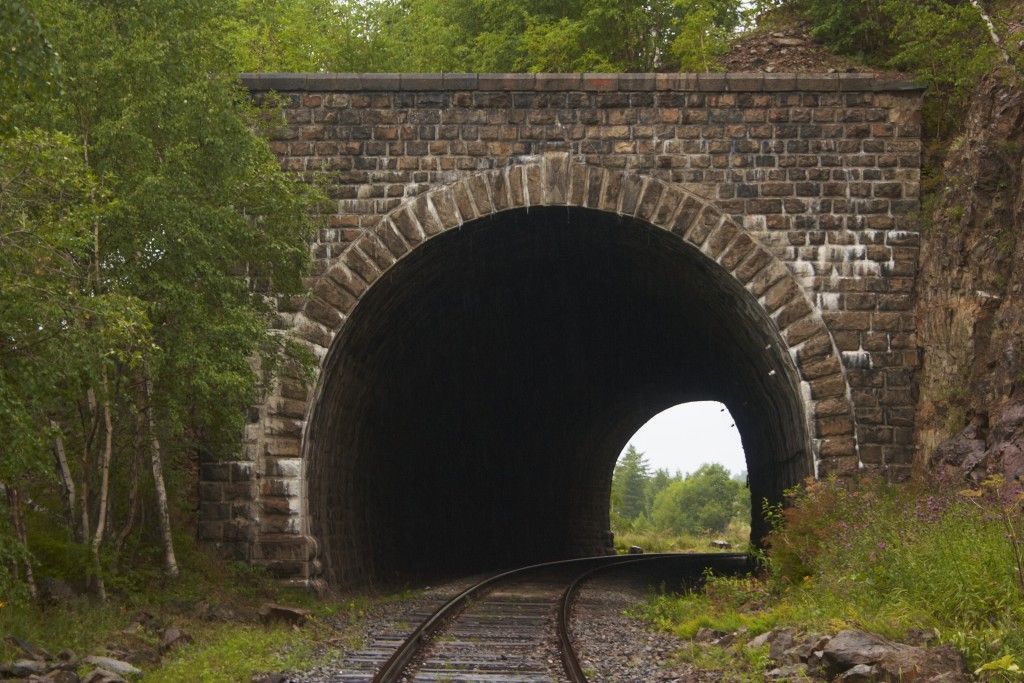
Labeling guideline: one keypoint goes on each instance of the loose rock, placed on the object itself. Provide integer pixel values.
(101, 675)
(894, 661)
(271, 612)
(708, 636)
(31, 651)
(862, 673)
(60, 676)
(173, 638)
(780, 640)
(791, 672)
(113, 665)
(23, 668)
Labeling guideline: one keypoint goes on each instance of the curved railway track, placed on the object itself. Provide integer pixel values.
(514, 627)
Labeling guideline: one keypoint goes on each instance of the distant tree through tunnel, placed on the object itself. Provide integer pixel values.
(472, 408)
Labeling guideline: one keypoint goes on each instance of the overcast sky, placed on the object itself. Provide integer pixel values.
(686, 436)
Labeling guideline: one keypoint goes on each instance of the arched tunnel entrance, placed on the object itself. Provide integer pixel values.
(473, 406)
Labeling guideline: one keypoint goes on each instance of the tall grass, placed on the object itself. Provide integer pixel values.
(654, 540)
(883, 558)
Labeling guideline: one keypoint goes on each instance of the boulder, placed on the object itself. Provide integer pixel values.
(730, 638)
(271, 678)
(173, 638)
(636, 550)
(101, 675)
(780, 640)
(862, 673)
(981, 451)
(721, 544)
(23, 668)
(708, 636)
(117, 666)
(31, 651)
(892, 661)
(804, 647)
(790, 672)
(759, 640)
(271, 612)
(60, 676)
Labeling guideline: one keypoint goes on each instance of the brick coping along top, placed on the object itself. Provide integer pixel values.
(685, 82)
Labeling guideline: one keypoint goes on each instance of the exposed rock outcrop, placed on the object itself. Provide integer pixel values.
(970, 313)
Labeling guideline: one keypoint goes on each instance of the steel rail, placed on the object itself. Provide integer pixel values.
(391, 671)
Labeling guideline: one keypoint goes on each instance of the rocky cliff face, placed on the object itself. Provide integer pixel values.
(970, 312)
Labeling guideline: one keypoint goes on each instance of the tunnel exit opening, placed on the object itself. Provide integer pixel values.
(473, 406)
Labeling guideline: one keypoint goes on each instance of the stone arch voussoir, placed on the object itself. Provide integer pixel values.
(555, 180)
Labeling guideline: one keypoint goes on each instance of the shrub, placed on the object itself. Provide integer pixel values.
(883, 558)
(944, 45)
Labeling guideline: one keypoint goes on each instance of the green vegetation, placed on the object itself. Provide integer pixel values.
(144, 221)
(212, 601)
(135, 190)
(944, 45)
(663, 512)
(882, 558)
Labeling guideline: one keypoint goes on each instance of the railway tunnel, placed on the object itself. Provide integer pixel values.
(473, 406)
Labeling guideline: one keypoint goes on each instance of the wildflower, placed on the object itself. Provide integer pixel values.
(882, 545)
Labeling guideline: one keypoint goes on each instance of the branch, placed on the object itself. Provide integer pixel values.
(996, 40)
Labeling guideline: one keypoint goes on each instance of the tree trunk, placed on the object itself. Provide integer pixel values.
(163, 513)
(134, 475)
(101, 514)
(67, 481)
(90, 425)
(993, 34)
(14, 503)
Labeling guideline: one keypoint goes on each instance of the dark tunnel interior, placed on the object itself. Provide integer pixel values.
(475, 402)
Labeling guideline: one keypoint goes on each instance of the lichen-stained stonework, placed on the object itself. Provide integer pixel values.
(804, 188)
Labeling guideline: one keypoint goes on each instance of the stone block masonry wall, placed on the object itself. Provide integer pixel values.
(821, 171)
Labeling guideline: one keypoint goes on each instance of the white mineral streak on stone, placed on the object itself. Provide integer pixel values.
(866, 269)
(900, 235)
(859, 359)
(803, 268)
(289, 467)
(828, 301)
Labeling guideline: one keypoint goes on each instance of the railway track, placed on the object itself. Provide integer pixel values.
(514, 627)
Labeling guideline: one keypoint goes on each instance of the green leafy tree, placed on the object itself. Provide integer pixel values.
(307, 35)
(706, 500)
(704, 31)
(655, 484)
(144, 223)
(539, 35)
(28, 63)
(944, 44)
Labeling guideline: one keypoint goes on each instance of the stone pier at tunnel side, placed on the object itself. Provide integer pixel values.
(518, 270)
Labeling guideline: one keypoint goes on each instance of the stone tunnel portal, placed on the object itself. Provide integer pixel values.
(473, 406)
